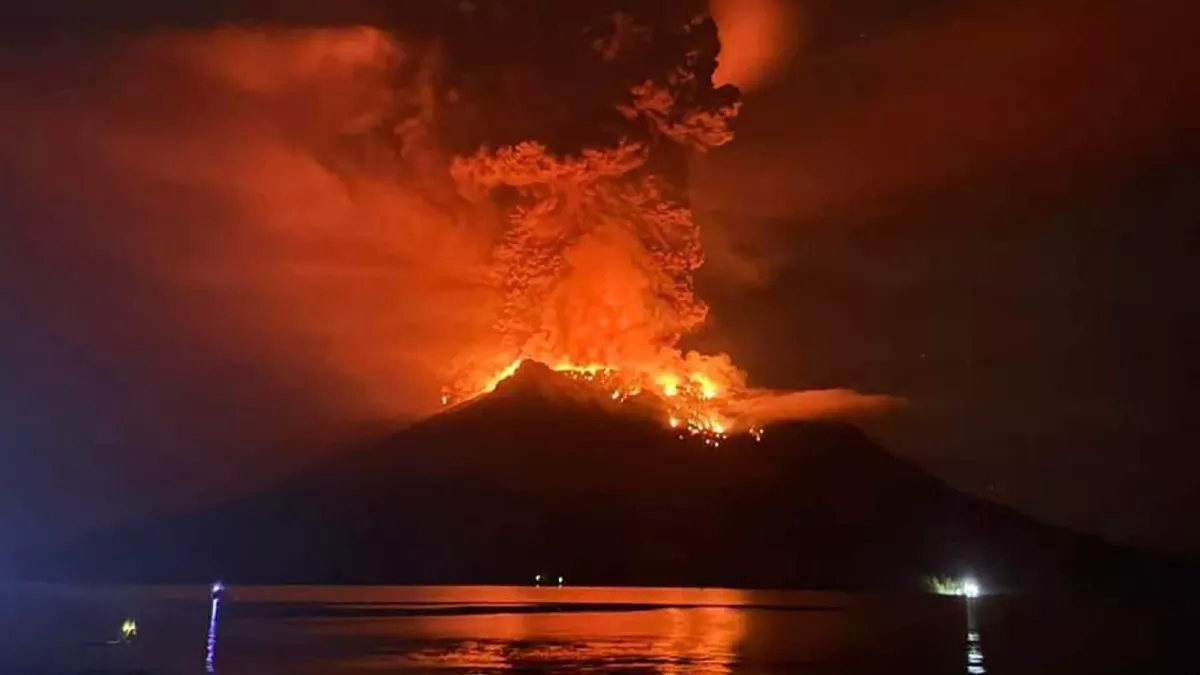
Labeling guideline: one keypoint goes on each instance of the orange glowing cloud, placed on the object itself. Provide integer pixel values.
(1050, 91)
(234, 170)
(766, 407)
(291, 195)
(758, 39)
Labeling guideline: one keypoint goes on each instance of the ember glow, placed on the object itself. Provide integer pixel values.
(693, 403)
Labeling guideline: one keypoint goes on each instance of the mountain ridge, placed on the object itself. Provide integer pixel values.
(546, 475)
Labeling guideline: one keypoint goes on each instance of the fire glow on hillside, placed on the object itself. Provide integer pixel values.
(693, 404)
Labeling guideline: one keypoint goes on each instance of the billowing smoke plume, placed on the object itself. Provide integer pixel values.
(597, 245)
(250, 185)
(367, 219)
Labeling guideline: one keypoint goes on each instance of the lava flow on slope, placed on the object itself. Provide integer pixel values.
(693, 403)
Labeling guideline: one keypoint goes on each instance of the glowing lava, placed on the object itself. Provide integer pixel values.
(694, 403)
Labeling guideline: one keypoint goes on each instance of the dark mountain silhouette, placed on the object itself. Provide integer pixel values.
(544, 477)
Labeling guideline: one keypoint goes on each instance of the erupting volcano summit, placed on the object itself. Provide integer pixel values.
(597, 246)
(693, 404)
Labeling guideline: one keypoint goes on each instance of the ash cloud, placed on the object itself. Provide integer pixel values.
(213, 275)
(225, 237)
(765, 407)
(231, 170)
(1043, 94)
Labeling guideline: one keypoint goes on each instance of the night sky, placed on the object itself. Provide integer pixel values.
(987, 208)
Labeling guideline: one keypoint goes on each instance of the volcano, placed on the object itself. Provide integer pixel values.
(549, 476)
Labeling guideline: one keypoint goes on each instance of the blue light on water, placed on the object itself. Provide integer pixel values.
(210, 651)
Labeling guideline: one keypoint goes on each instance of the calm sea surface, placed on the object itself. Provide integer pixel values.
(334, 630)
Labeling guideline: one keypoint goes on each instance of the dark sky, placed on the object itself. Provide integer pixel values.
(985, 207)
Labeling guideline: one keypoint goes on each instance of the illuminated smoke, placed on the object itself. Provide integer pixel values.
(758, 37)
(597, 244)
(242, 177)
(373, 219)
(767, 406)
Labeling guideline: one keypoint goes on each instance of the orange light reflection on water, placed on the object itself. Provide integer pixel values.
(670, 631)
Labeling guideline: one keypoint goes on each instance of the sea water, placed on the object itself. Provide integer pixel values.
(324, 630)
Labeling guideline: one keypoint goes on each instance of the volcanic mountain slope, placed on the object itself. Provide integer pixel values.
(546, 476)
